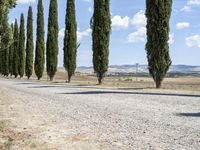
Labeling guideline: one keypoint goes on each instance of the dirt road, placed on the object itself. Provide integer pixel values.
(51, 116)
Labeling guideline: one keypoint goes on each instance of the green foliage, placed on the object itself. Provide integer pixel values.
(15, 53)
(5, 51)
(52, 40)
(101, 25)
(29, 44)
(39, 52)
(21, 50)
(11, 50)
(70, 39)
(158, 14)
(5, 36)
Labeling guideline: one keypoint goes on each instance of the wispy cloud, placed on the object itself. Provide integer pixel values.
(80, 34)
(190, 3)
(186, 9)
(193, 2)
(193, 41)
(182, 25)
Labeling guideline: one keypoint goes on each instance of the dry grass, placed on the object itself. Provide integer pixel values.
(189, 83)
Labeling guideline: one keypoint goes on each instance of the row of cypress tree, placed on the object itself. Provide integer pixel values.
(101, 34)
(16, 56)
(158, 15)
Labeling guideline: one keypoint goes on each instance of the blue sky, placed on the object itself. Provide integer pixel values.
(128, 36)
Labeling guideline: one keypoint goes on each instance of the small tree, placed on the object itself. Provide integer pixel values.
(21, 51)
(29, 44)
(70, 39)
(101, 25)
(39, 52)
(15, 53)
(158, 14)
(52, 40)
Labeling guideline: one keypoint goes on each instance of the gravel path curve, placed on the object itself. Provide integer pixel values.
(94, 118)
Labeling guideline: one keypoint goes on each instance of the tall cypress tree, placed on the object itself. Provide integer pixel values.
(39, 52)
(5, 6)
(15, 53)
(5, 50)
(52, 40)
(21, 53)
(29, 44)
(158, 14)
(70, 39)
(11, 51)
(5, 36)
(101, 25)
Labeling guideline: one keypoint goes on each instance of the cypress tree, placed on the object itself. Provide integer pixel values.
(21, 53)
(5, 7)
(29, 44)
(15, 53)
(52, 40)
(11, 51)
(101, 25)
(5, 50)
(39, 52)
(5, 36)
(158, 14)
(70, 39)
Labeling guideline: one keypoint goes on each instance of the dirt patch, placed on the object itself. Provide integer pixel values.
(12, 135)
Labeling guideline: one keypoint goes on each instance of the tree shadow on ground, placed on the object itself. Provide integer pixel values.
(188, 114)
(24, 83)
(45, 86)
(130, 93)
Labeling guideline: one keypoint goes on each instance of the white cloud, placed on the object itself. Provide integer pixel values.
(139, 19)
(193, 2)
(186, 9)
(80, 34)
(189, 5)
(193, 41)
(182, 25)
(138, 36)
(119, 22)
(61, 32)
(171, 38)
(25, 1)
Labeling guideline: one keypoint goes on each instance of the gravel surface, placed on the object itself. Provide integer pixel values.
(67, 117)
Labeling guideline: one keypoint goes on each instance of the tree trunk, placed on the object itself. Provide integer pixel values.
(51, 78)
(158, 83)
(100, 77)
(69, 77)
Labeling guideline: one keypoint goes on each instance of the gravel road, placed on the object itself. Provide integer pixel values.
(69, 117)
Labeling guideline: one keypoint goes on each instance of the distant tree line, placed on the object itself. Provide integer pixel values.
(17, 52)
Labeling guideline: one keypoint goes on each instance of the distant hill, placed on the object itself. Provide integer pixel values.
(143, 69)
